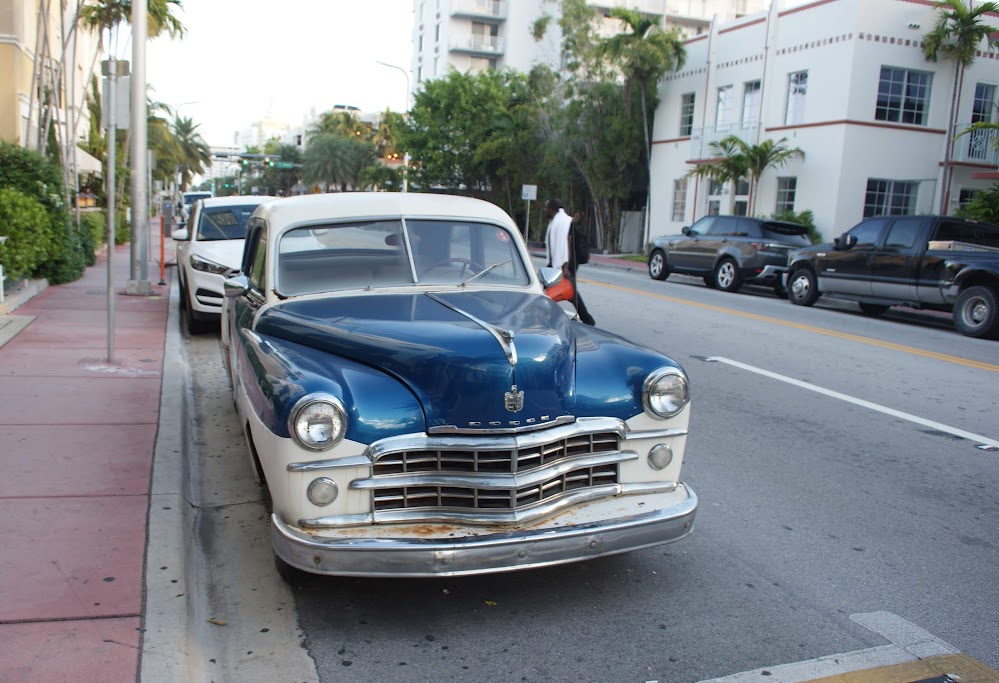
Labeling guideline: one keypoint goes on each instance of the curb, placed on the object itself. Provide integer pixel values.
(21, 295)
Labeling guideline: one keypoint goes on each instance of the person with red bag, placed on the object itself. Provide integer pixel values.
(561, 254)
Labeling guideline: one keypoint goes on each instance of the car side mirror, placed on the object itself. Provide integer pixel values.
(845, 241)
(180, 234)
(685, 230)
(549, 276)
(236, 286)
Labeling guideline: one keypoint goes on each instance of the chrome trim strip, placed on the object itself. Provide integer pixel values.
(526, 514)
(331, 464)
(639, 488)
(452, 429)
(492, 481)
(395, 555)
(504, 337)
(412, 442)
(655, 434)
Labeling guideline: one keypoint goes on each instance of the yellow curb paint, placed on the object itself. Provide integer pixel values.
(978, 365)
(969, 669)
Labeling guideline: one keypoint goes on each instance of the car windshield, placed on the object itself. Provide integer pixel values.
(224, 222)
(394, 253)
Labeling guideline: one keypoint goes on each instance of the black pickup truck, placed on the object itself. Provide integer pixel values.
(932, 262)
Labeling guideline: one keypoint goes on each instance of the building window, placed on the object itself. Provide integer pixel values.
(903, 96)
(723, 114)
(687, 115)
(751, 103)
(890, 197)
(981, 112)
(679, 199)
(966, 195)
(786, 187)
(797, 89)
(740, 204)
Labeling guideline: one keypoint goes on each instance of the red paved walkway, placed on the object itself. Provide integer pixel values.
(76, 449)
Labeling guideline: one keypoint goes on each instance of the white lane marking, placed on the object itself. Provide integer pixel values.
(908, 643)
(977, 438)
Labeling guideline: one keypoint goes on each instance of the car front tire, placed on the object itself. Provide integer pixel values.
(658, 268)
(727, 276)
(976, 313)
(802, 289)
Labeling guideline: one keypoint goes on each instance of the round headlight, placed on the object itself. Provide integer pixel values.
(665, 393)
(318, 422)
(322, 491)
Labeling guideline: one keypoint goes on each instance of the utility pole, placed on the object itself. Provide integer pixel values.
(139, 282)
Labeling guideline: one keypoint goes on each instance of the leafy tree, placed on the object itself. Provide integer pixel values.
(343, 123)
(735, 159)
(104, 15)
(958, 33)
(643, 53)
(452, 120)
(336, 161)
(193, 150)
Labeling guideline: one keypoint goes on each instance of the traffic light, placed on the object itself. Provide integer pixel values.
(246, 162)
(269, 162)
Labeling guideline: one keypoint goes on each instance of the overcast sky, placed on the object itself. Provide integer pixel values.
(242, 60)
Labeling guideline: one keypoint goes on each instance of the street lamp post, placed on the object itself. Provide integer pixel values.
(405, 156)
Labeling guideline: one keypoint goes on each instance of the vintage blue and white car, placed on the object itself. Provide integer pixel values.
(416, 405)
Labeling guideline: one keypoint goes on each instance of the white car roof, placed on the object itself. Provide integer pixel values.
(318, 208)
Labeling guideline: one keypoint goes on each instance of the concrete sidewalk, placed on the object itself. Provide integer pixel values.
(77, 438)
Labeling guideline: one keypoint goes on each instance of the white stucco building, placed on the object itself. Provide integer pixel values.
(472, 35)
(846, 82)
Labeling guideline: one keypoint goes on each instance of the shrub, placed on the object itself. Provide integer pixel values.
(984, 206)
(25, 224)
(93, 229)
(37, 177)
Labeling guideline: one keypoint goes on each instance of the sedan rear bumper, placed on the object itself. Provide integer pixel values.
(412, 556)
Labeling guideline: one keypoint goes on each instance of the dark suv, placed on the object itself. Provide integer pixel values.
(729, 251)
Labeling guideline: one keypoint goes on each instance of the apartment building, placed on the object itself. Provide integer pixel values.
(846, 82)
(473, 35)
(62, 67)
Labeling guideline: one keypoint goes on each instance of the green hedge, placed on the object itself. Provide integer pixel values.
(34, 176)
(24, 223)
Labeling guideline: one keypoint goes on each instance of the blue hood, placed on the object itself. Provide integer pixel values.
(454, 366)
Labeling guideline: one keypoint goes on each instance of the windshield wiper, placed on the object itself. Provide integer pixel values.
(484, 271)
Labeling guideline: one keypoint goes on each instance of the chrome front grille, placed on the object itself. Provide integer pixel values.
(515, 460)
(479, 498)
(494, 478)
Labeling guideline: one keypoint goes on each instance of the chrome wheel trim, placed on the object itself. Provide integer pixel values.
(726, 274)
(656, 265)
(800, 286)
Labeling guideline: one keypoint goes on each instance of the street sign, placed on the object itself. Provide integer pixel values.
(529, 192)
(283, 164)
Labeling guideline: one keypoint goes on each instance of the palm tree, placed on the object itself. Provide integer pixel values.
(194, 151)
(338, 162)
(957, 35)
(106, 14)
(643, 53)
(343, 123)
(736, 159)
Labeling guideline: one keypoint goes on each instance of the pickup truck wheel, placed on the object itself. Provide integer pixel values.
(658, 268)
(874, 310)
(727, 276)
(802, 288)
(976, 313)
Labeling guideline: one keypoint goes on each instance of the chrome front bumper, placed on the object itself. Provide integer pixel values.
(348, 554)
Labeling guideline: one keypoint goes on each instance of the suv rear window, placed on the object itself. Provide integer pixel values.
(788, 233)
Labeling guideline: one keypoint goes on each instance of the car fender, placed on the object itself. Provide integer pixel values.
(278, 373)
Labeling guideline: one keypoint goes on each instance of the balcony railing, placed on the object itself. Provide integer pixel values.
(701, 138)
(479, 9)
(977, 146)
(478, 45)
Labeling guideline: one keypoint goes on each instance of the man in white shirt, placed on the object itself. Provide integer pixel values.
(561, 254)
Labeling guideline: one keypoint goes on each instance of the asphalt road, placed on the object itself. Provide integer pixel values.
(845, 466)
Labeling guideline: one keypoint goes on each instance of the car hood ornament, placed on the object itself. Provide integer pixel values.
(514, 400)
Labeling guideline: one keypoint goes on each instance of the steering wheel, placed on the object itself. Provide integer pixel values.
(466, 264)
